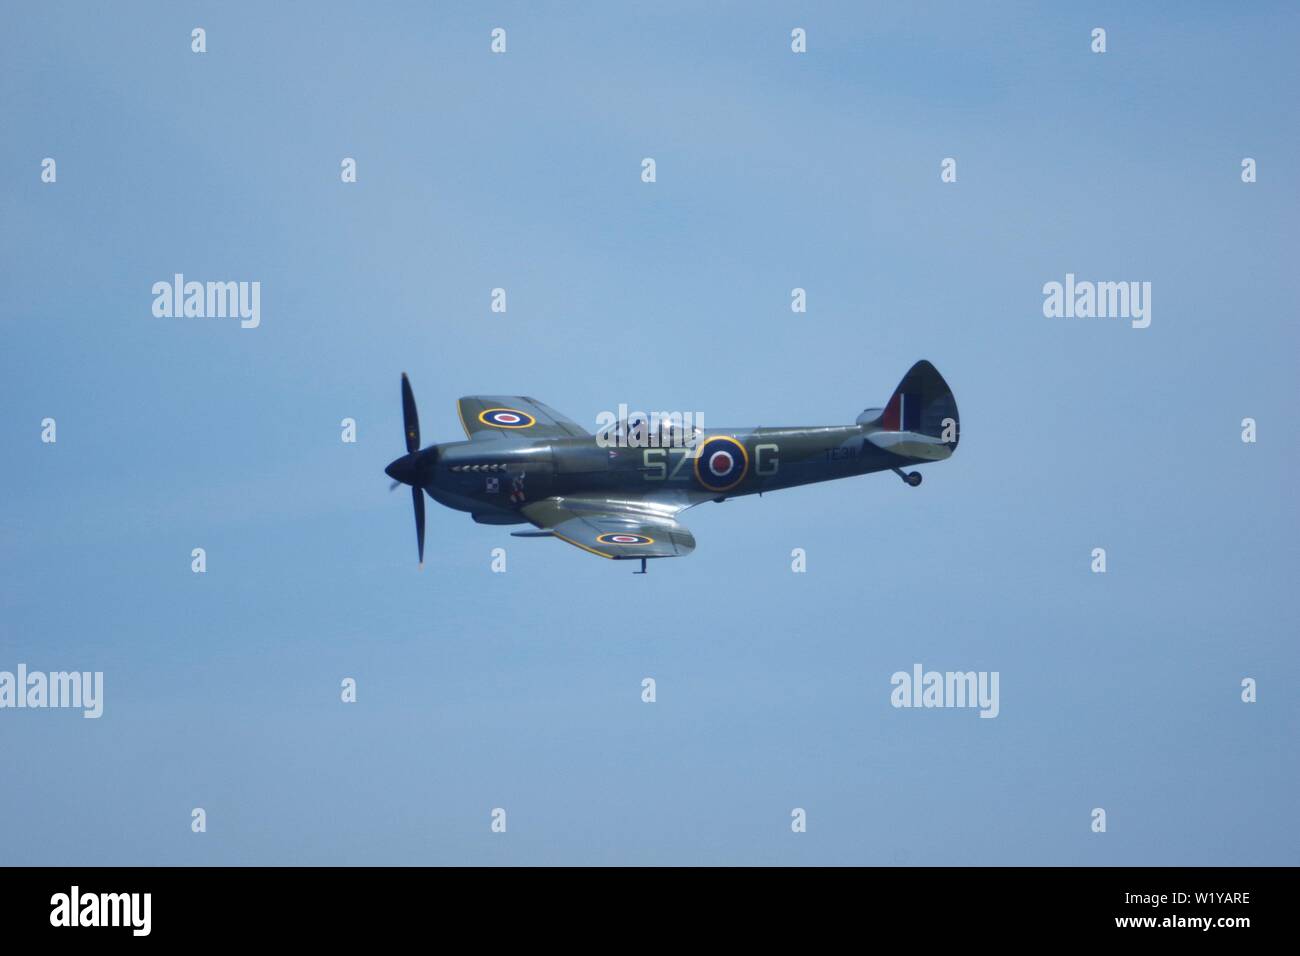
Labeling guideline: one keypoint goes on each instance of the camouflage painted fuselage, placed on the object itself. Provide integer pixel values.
(493, 480)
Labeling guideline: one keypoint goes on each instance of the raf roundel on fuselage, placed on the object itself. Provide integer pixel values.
(722, 464)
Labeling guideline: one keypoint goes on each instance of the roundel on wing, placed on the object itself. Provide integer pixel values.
(506, 418)
(721, 464)
(623, 538)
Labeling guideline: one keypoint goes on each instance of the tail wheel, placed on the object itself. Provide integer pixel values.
(913, 478)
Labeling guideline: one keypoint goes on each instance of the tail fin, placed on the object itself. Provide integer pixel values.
(922, 404)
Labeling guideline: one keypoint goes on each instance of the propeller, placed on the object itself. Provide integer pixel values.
(417, 496)
(410, 418)
(408, 469)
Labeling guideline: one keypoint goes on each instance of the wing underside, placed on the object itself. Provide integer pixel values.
(617, 528)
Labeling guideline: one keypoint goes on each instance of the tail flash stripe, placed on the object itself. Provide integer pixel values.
(889, 421)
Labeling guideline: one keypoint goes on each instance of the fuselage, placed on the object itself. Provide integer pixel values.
(492, 479)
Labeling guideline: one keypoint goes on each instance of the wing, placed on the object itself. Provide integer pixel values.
(614, 527)
(490, 416)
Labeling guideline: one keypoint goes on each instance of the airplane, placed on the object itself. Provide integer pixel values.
(618, 493)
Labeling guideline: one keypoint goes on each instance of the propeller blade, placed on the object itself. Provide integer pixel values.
(417, 495)
(393, 486)
(410, 419)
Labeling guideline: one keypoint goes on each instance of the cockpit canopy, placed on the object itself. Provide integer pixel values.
(662, 431)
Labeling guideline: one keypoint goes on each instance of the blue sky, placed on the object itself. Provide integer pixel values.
(522, 690)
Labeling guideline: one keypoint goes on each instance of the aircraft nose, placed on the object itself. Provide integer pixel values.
(402, 469)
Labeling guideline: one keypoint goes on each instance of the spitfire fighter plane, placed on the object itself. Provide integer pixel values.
(524, 463)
